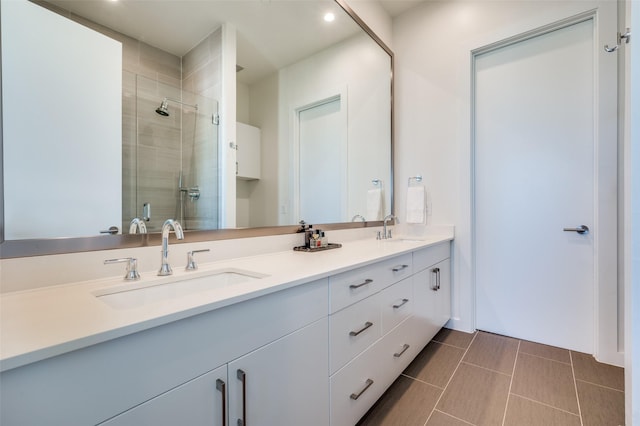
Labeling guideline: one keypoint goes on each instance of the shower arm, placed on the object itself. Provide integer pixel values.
(181, 103)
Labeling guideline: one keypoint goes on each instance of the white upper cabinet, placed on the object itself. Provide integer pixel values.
(248, 152)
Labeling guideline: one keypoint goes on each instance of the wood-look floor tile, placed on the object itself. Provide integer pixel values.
(454, 338)
(476, 395)
(592, 371)
(435, 364)
(441, 419)
(523, 412)
(407, 402)
(494, 352)
(545, 351)
(600, 406)
(546, 381)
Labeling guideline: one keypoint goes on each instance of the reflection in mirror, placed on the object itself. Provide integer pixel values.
(310, 102)
(170, 155)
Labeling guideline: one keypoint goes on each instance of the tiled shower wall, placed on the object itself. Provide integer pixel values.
(152, 158)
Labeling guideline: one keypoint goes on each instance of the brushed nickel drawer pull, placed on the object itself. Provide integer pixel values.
(436, 271)
(366, 325)
(399, 305)
(404, 349)
(368, 384)
(242, 376)
(399, 268)
(222, 387)
(367, 281)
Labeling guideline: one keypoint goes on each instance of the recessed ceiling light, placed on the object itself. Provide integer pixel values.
(329, 17)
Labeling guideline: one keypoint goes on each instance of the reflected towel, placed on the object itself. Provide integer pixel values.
(416, 204)
(374, 204)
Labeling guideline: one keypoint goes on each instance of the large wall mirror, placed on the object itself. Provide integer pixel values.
(236, 118)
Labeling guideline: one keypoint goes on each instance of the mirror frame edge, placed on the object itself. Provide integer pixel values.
(51, 246)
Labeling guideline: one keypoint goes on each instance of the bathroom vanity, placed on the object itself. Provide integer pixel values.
(285, 338)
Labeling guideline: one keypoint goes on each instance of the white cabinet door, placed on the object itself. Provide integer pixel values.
(432, 297)
(443, 295)
(283, 383)
(201, 401)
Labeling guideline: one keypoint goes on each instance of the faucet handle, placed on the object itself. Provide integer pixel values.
(191, 261)
(132, 267)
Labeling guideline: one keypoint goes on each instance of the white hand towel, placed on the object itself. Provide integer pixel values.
(374, 204)
(416, 204)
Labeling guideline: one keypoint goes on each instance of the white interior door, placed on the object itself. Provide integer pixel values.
(534, 176)
(322, 158)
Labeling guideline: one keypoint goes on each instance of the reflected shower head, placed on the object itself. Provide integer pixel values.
(163, 108)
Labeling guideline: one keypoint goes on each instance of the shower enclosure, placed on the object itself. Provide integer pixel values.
(170, 155)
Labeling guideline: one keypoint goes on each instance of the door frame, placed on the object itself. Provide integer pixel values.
(607, 332)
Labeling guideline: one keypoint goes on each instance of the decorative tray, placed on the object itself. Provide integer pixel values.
(309, 249)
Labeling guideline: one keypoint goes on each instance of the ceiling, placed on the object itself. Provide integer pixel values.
(397, 7)
(271, 34)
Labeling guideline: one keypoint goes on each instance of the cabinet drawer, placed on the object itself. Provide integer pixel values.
(396, 304)
(431, 255)
(398, 348)
(352, 330)
(356, 387)
(349, 287)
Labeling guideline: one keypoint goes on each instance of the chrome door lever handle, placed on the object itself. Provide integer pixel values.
(583, 229)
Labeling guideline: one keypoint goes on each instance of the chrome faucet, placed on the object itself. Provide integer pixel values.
(386, 234)
(358, 216)
(137, 225)
(165, 269)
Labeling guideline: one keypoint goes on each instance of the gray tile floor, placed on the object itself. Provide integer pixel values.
(484, 379)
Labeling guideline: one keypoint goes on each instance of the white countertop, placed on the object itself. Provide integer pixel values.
(41, 323)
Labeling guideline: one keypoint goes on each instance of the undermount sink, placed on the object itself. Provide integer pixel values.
(404, 240)
(134, 295)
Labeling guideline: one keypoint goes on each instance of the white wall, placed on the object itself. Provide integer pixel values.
(376, 18)
(433, 109)
(264, 114)
(632, 224)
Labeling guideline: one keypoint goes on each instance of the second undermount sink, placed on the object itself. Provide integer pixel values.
(404, 240)
(134, 295)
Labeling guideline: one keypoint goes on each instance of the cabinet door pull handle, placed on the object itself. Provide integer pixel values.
(404, 349)
(242, 376)
(367, 281)
(368, 384)
(399, 305)
(399, 268)
(436, 271)
(222, 387)
(366, 325)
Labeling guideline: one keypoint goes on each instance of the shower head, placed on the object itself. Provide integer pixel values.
(163, 108)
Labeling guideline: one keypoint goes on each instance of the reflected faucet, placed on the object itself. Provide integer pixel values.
(137, 226)
(386, 234)
(165, 269)
(358, 217)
